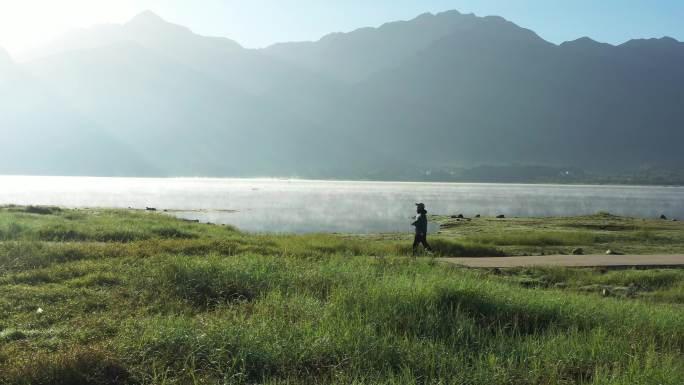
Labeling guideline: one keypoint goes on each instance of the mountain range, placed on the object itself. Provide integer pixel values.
(431, 95)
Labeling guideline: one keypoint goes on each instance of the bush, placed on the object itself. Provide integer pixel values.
(13, 232)
(42, 210)
(206, 283)
(173, 233)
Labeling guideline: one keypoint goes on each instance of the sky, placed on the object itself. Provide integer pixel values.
(27, 24)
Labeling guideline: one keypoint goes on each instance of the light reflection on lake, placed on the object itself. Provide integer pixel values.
(284, 206)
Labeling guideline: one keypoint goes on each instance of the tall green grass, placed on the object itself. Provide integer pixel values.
(533, 238)
(221, 306)
(372, 320)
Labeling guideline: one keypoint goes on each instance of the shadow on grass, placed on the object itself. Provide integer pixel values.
(80, 367)
(40, 210)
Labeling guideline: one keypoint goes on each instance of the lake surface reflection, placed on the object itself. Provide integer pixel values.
(300, 206)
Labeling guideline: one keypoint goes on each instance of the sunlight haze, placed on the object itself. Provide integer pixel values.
(368, 192)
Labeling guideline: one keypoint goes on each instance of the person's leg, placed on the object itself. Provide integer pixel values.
(416, 241)
(425, 243)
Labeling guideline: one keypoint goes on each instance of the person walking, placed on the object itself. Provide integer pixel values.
(421, 225)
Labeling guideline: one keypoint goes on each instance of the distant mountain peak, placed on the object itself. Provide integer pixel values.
(149, 21)
(448, 22)
(670, 39)
(665, 41)
(584, 42)
(453, 12)
(147, 17)
(430, 15)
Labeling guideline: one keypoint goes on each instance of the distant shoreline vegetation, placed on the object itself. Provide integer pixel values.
(526, 174)
(531, 174)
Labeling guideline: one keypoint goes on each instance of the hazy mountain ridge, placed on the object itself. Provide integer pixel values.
(356, 55)
(222, 58)
(43, 135)
(436, 92)
(177, 119)
(549, 105)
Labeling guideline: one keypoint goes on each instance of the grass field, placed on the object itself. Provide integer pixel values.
(595, 234)
(110, 297)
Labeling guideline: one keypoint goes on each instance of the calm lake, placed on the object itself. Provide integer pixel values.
(299, 206)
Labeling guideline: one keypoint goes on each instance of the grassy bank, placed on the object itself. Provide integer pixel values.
(595, 234)
(108, 297)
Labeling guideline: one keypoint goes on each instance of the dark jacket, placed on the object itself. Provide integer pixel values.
(421, 223)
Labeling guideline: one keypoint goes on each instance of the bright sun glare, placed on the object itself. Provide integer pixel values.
(27, 24)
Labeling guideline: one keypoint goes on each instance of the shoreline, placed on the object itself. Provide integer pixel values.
(345, 180)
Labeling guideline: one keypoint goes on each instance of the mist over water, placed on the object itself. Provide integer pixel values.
(299, 206)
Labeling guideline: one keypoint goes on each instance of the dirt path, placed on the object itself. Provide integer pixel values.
(572, 261)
